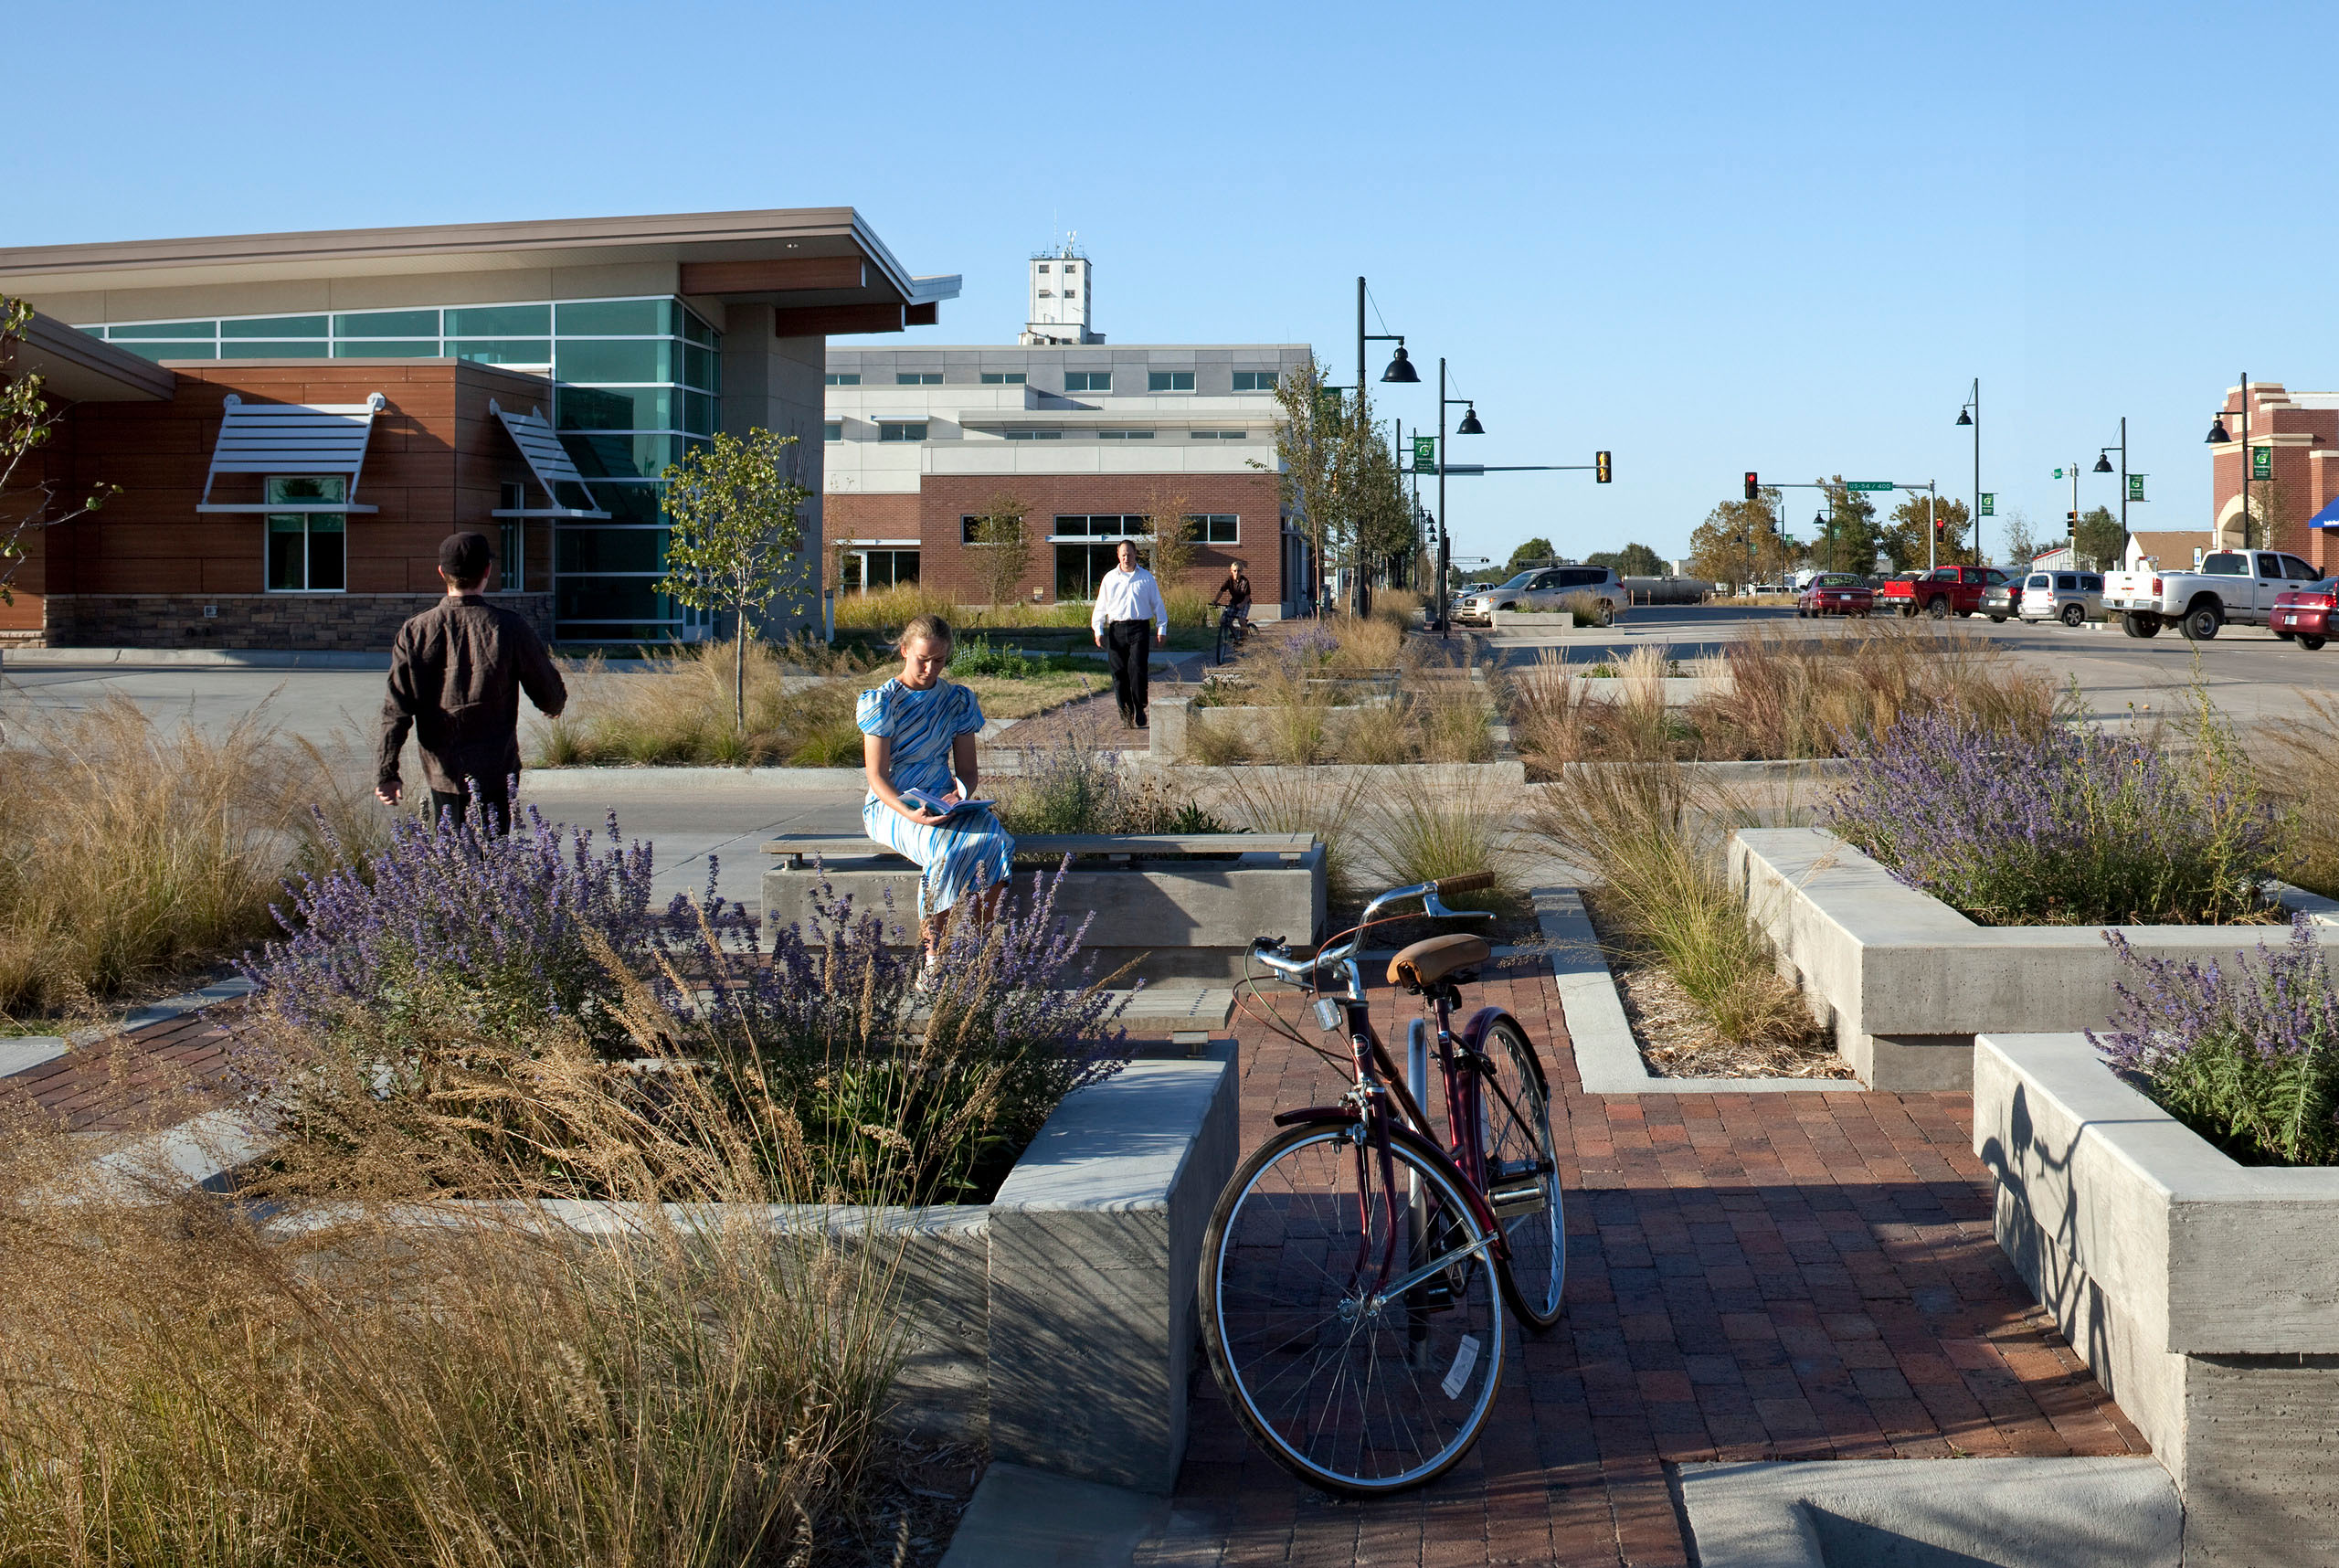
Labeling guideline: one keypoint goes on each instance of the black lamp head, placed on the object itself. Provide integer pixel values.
(2217, 431)
(1400, 369)
(1469, 424)
(1965, 416)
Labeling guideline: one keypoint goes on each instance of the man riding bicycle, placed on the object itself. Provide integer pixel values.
(1235, 593)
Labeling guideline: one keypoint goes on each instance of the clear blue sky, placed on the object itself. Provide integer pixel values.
(1708, 237)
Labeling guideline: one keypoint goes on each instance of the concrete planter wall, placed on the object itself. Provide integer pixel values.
(2204, 1294)
(1170, 726)
(1905, 983)
(1173, 919)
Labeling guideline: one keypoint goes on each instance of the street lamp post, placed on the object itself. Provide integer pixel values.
(1972, 414)
(2103, 465)
(1469, 426)
(2218, 437)
(1401, 370)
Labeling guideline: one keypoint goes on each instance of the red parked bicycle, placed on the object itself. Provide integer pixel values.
(1353, 1267)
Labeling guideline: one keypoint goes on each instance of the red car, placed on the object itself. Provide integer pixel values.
(1834, 593)
(2303, 614)
(1941, 592)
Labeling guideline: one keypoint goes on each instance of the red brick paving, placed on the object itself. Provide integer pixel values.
(127, 1082)
(1802, 1275)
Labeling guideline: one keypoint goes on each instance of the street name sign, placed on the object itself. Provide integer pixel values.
(1870, 485)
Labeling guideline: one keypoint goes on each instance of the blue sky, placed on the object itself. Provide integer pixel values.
(1707, 238)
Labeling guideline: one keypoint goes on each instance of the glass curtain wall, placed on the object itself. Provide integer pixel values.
(637, 381)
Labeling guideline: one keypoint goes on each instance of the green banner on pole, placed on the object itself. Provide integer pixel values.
(2261, 462)
(1870, 485)
(2135, 487)
(1424, 454)
(1989, 504)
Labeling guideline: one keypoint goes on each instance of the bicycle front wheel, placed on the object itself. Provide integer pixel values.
(1523, 1173)
(1353, 1317)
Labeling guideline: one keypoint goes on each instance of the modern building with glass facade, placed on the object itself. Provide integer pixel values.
(533, 380)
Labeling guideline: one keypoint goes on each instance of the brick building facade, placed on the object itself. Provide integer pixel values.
(2295, 478)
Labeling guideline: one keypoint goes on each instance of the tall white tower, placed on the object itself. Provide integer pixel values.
(1063, 291)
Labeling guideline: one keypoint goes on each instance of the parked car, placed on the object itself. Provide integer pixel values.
(2232, 585)
(1834, 593)
(1942, 591)
(2072, 598)
(2003, 599)
(1545, 588)
(2302, 612)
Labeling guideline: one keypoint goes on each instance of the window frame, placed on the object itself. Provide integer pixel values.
(1156, 381)
(887, 429)
(336, 522)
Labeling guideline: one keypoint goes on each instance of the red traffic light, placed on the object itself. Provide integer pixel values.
(1754, 486)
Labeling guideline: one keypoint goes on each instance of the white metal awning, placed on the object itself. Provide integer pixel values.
(549, 462)
(292, 438)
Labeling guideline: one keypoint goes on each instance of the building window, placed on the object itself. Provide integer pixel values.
(833, 429)
(844, 378)
(1125, 435)
(1215, 435)
(1047, 294)
(1214, 528)
(1080, 568)
(918, 378)
(865, 570)
(1100, 526)
(511, 556)
(1035, 435)
(1002, 379)
(306, 550)
(1170, 381)
(1256, 381)
(1088, 381)
(1043, 266)
(901, 431)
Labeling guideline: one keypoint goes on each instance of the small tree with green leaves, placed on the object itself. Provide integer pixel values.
(2101, 539)
(27, 503)
(736, 539)
(1530, 552)
(1002, 547)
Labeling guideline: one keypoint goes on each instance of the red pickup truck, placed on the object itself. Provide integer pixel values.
(1940, 592)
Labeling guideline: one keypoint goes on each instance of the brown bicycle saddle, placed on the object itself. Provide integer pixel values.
(1431, 959)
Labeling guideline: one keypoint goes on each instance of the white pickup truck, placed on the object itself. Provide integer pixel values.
(2237, 585)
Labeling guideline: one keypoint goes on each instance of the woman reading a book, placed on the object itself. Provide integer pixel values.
(917, 733)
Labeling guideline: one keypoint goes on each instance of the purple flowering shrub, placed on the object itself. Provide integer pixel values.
(883, 1091)
(2247, 1057)
(2074, 827)
(493, 927)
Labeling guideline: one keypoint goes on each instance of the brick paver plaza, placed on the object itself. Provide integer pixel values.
(1750, 1276)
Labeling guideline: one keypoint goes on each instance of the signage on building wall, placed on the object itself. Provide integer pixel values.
(2261, 462)
(1989, 504)
(2135, 487)
(1424, 454)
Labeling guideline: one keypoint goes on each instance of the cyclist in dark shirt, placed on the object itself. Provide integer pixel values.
(1235, 592)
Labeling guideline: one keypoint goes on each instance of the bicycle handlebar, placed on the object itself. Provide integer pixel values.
(1266, 948)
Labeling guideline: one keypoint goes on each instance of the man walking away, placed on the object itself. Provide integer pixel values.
(1129, 605)
(456, 674)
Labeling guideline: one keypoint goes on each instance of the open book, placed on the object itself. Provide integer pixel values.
(942, 805)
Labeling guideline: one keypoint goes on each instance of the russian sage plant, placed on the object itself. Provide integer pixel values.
(2070, 827)
(500, 923)
(2246, 1056)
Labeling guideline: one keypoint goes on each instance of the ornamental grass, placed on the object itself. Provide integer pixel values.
(2247, 1055)
(678, 708)
(131, 852)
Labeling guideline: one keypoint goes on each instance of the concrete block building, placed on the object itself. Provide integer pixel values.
(295, 420)
(1092, 439)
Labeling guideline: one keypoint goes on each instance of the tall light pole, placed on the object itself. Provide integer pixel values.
(1972, 414)
(1469, 426)
(2103, 465)
(2218, 437)
(1400, 369)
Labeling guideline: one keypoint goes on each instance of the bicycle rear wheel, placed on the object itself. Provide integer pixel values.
(1350, 1386)
(1523, 1173)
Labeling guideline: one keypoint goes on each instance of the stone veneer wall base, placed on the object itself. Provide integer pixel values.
(352, 621)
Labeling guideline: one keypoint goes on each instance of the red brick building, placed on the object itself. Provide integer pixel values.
(2293, 453)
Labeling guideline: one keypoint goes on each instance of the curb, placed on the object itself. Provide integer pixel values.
(200, 658)
(1022, 1518)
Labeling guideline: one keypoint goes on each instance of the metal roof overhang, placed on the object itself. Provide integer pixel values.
(798, 258)
(292, 438)
(549, 462)
(78, 369)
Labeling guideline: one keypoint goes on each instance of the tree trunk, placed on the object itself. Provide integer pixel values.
(739, 672)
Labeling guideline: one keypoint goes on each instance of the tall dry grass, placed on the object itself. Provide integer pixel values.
(1652, 841)
(1400, 608)
(393, 1376)
(1425, 829)
(1290, 800)
(129, 852)
(678, 708)
(891, 608)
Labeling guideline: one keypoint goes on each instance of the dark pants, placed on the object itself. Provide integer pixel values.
(1130, 644)
(494, 804)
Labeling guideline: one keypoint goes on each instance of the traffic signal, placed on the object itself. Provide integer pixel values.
(1941, 527)
(1600, 471)
(1753, 487)
(2072, 518)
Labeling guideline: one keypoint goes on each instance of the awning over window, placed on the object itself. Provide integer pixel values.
(549, 462)
(2326, 518)
(292, 439)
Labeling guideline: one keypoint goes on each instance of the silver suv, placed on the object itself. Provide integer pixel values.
(1544, 589)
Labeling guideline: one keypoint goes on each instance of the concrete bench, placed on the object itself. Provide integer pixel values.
(1172, 919)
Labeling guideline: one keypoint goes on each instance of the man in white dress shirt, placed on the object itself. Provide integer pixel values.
(1129, 605)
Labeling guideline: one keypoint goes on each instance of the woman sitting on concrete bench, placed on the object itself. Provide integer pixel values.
(917, 732)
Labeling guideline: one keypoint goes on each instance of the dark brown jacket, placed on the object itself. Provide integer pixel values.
(456, 674)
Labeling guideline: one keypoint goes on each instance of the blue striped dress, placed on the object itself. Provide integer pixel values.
(971, 851)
